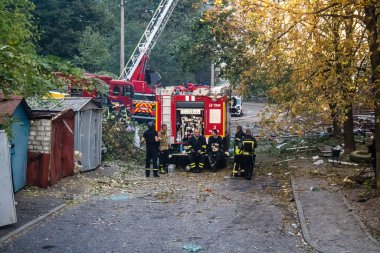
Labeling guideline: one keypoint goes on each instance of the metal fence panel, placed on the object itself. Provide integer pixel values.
(90, 138)
(7, 203)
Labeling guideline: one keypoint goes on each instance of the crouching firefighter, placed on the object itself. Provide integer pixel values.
(151, 140)
(215, 150)
(237, 169)
(196, 150)
(248, 145)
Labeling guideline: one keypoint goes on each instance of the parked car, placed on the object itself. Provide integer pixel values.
(236, 106)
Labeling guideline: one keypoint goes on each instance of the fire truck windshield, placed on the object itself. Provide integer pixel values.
(144, 97)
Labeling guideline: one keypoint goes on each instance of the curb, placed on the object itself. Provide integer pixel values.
(359, 220)
(301, 217)
(31, 223)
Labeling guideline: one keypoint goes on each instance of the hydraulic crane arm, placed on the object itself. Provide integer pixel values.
(149, 39)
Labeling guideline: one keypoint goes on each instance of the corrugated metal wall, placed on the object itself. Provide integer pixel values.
(88, 136)
(7, 203)
(19, 148)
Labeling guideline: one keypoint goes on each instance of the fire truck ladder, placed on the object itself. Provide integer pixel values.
(149, 38)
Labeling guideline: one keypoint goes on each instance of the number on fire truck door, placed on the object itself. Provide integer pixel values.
(215, 116)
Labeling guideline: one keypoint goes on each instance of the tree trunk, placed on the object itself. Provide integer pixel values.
(349, 143)
(377, 144)
(372, 22)
(337, 130)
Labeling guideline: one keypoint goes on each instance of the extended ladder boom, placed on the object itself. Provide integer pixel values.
(150, 37)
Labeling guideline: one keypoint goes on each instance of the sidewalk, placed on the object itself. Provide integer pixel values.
(30, 210)
(328, 222)
(35, 204)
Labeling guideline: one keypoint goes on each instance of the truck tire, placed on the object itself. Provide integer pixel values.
(360, 156)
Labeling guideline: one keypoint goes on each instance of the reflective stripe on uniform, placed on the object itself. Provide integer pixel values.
(238, 151)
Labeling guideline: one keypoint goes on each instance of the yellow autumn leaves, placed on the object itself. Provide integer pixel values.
(312, 55)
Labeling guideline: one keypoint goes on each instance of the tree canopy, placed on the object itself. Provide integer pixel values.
(22, 70)
(317, 59)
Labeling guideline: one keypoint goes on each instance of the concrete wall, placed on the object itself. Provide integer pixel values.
(39, 136)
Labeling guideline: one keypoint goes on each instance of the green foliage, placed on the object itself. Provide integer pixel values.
(88, 33)
(7, 127)
(93, 49)
(62, 24)
(166, 56)
(117, 138)
(22, 71)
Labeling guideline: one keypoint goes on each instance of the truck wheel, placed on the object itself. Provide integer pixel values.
(360, 156)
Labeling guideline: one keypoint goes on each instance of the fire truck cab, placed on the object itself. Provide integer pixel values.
(120, 93)
(183, 111)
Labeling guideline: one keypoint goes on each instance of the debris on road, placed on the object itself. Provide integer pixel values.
(287, 160)
(344, 163)
(314, 189)
(319, 162)
(192, 247)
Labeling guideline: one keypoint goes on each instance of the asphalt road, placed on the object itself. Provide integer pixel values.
(207, 210)
(250, 112)
(166, 214)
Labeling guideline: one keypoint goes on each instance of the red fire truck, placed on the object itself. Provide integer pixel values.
(119, 92)
(183, 110)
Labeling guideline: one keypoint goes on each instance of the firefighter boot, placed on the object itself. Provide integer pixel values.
(162, 169)
(155, 173)
(201, 166)
(147, 172)
(234, 171)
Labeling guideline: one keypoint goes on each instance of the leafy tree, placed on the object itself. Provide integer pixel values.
(22, 71)
(94, 50)
(63, 22)
(322, 57)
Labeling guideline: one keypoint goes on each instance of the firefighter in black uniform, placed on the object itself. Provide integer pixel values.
(196, 150)
(150, 137)
(215, 150)
(248, 145)
(237, 169)
(372, 151)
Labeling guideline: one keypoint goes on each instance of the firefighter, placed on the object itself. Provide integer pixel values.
(248, 145)
(215, 150)
(372, 151)
(237, 170)
(150, 137)
(163, 148)
(196, 150)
